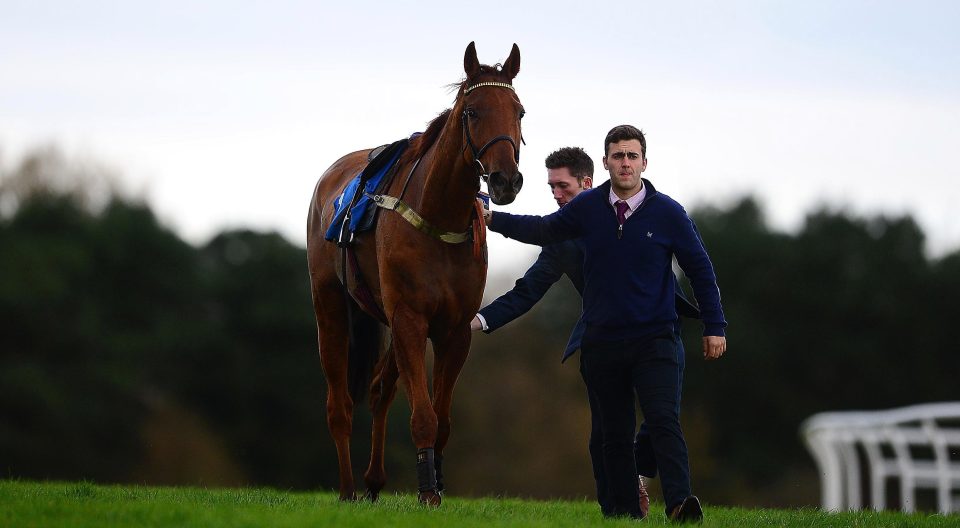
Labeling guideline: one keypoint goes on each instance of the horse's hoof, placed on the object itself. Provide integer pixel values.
(348, 497)
(371, 495)
(430, 498)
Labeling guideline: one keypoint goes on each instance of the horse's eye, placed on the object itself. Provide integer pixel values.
(522, 113)
(471, 113)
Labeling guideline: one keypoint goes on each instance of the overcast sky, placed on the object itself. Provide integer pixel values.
(224, 114)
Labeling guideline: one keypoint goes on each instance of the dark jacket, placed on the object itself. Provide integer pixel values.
(629, 287)
(555, 261)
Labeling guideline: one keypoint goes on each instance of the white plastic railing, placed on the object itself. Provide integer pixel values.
(919, 446)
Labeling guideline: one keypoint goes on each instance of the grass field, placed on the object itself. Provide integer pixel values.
(26, 504)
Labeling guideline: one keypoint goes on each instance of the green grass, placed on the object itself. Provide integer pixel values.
(26, 504)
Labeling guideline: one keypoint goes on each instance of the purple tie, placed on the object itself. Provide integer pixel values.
(622, 208)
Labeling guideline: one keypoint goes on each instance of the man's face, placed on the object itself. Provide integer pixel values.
(625, 162)
(564, 185)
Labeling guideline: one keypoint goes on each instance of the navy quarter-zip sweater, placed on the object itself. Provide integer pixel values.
(629, 284)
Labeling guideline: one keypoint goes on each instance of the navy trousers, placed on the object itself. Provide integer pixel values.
(642, 446)
(617, 375)
(643, 454)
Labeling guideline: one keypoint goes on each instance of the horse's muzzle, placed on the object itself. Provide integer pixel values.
(504, 188)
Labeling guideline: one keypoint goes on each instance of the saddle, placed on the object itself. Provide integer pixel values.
(354, 211)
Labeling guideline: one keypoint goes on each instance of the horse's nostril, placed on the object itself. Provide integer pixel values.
(506, 182)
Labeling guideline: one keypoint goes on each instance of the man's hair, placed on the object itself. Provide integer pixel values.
(625, 133)
(574, 159)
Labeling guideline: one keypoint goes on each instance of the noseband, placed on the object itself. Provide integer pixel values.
(477, 164)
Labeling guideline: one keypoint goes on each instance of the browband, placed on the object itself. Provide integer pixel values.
(489, 83)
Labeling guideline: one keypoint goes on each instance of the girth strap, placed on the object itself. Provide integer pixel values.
(417, 221)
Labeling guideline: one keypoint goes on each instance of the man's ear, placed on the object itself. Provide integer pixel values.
(587, 182)
(644, 167)
(605, 163)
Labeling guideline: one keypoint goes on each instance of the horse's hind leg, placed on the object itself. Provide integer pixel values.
(450, 355)
(382, 391)
(332, 329)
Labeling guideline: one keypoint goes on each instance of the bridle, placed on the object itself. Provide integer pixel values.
(407, 213)
(477, 164)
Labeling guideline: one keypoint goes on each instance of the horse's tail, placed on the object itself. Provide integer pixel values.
(366, 340)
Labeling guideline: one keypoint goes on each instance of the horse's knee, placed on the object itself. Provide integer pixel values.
(423, 427)
(339, 419)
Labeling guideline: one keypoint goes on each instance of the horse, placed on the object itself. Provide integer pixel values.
(422, 280)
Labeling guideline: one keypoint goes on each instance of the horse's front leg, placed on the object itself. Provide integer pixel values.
(450, 355)
(409, 346)
(382, 391)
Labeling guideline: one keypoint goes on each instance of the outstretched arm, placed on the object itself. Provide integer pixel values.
(526, 292)
(539, 230)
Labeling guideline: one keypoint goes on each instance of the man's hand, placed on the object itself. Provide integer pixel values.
(714, 347)
(475, 324)
(487, 215)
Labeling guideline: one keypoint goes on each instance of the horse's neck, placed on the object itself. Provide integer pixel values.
(449, 187)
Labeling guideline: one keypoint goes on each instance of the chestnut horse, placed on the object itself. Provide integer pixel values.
(421, 286)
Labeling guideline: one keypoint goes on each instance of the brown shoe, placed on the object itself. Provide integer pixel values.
(689, 511)
(644, 496)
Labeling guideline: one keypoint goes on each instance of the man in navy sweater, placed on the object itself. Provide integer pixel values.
(630, 234)
(569, 172)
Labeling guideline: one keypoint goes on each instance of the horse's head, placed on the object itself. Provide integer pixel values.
(490, 113)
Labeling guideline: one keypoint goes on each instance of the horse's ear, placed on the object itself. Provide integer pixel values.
(512, 66)
(471, 66)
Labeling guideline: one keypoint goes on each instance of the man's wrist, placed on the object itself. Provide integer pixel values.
(483, 323)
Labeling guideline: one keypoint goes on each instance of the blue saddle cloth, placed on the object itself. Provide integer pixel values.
(371, 177)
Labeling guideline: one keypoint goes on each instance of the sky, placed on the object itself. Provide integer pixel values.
(224, 114)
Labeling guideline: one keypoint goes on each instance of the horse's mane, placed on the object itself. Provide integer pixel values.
(419, 146)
